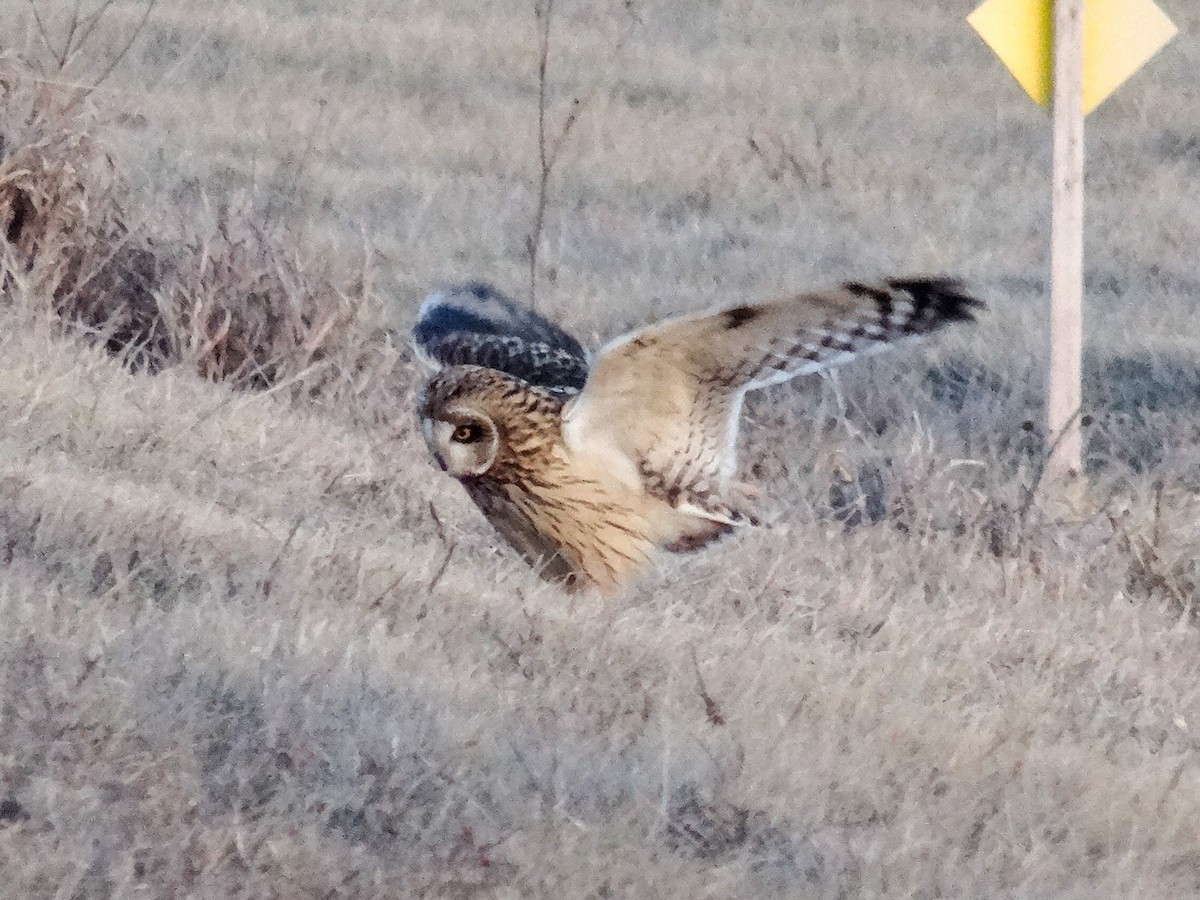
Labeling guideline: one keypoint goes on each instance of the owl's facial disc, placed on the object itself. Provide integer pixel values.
(463, 443)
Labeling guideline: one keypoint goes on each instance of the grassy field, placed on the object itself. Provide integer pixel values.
(255, 645)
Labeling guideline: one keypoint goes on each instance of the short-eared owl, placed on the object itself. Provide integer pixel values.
(587, 467)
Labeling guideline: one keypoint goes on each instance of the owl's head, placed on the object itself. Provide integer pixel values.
(473, 417)
(462, 438)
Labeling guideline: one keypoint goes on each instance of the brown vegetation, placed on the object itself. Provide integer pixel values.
(226, 296)
(255, 646)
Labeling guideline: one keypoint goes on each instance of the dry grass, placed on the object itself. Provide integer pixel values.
(211, 288)
(256, 647)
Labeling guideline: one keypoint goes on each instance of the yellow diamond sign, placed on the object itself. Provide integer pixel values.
(1118, 37)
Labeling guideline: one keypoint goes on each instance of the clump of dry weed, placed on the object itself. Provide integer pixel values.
(239, 304)
(229, 298)
(67, 242)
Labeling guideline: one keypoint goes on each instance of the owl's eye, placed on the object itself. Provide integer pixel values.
(467, 434)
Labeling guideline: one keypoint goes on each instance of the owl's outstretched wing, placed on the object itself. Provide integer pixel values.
(473, 324)
(665, 400)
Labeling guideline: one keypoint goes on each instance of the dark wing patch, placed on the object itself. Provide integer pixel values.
(935, 302)
(740, 315)
(472, 324)
(667, 397)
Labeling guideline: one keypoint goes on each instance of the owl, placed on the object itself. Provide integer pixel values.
(589, 467)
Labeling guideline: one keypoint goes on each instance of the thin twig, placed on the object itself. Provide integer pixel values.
(1043, 467)
(80, 29)
(375, 604)
(42, 33)
(543, 9)
(437, 576)
(544, 12)
(268, 582)
(437, 523)
(446, 542)
(89, 26)
(548, 151)
(711, 710)
(65, 52)
(137, 31)
(298, 168)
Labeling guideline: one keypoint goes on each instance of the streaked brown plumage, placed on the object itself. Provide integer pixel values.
(588, 487)
(562, 511)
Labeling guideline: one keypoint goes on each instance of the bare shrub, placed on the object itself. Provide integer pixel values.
(239, 306)
(77, 33)
(550, 147)
(66, 239)
(229, 297)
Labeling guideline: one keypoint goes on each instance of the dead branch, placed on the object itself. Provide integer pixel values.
(548, 150)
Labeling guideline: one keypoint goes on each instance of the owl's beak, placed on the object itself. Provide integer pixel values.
(427, 430)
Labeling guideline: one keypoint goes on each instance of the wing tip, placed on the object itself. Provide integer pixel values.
(476, 306)
(939, 298)
(464, 300)
(473, 323)
(465, 308)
